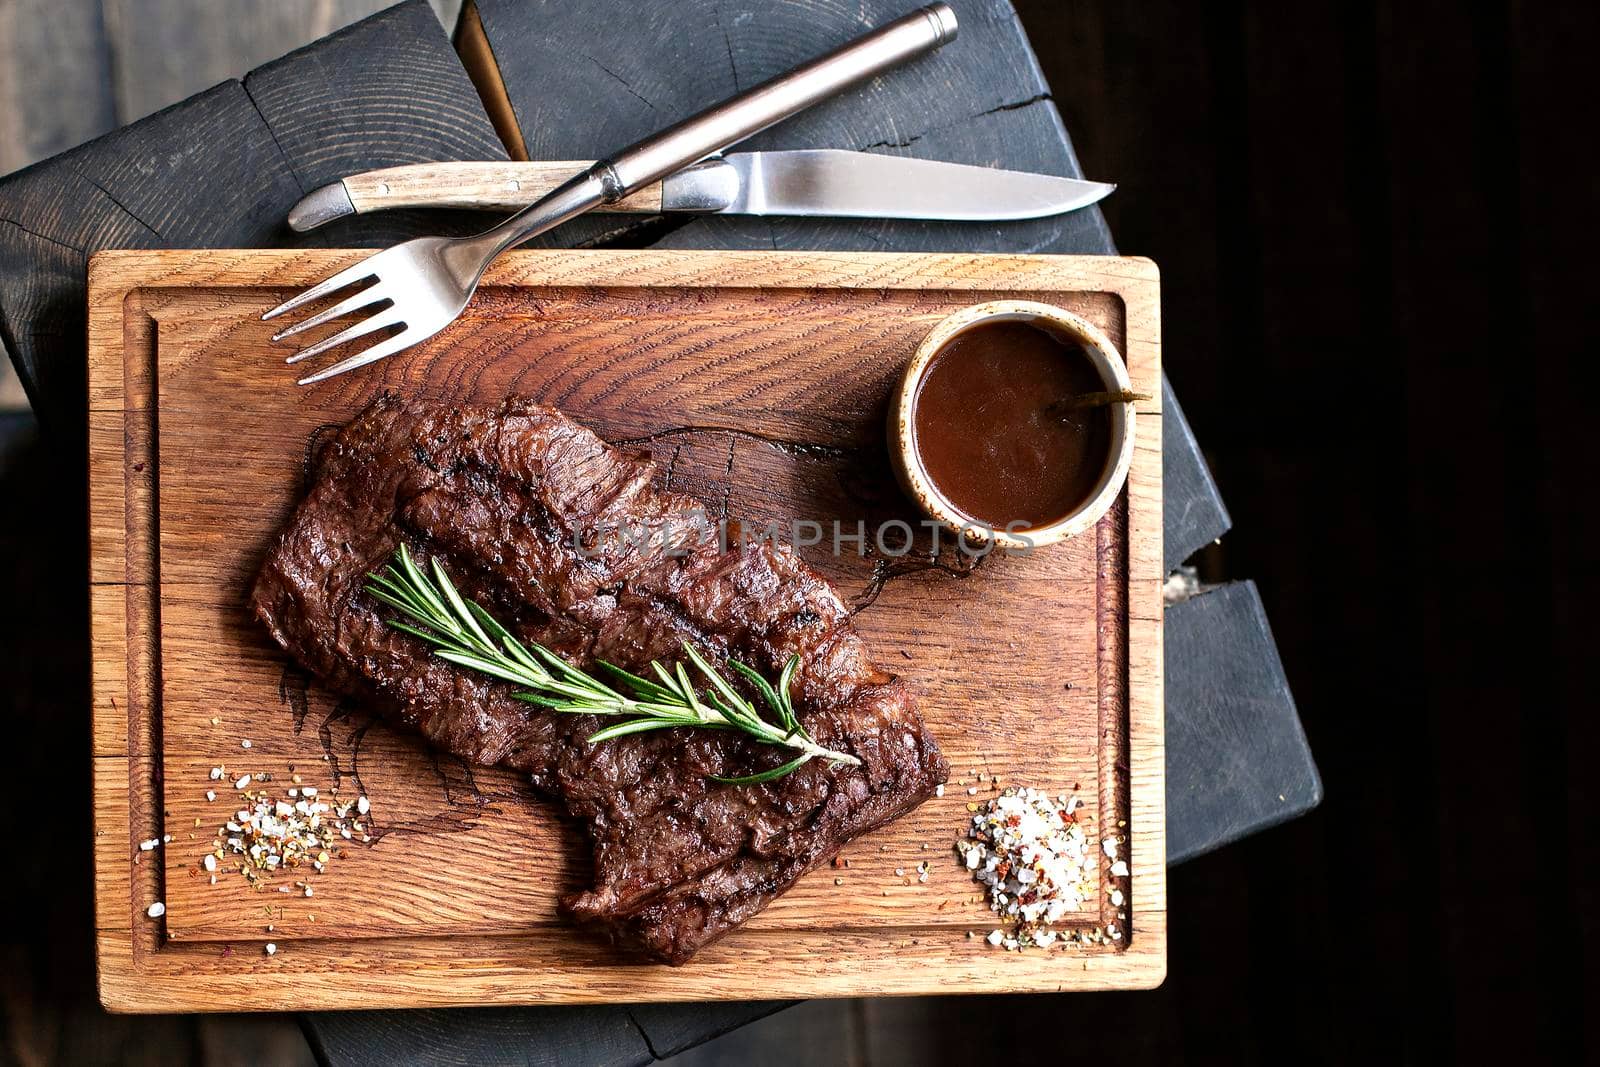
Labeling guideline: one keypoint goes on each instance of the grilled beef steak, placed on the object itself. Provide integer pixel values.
(516, 502)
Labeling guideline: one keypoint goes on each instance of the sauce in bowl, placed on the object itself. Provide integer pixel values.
(993, 426)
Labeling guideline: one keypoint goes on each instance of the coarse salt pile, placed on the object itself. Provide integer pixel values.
(274, 834)
(1030, 851)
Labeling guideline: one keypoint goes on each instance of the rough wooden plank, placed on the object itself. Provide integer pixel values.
(204, 172)
(219, 169)
(595, 1036)
(386, 85)
(37, 313)
(577, 93)
(162, 51)
(1195, 515)
(1237, 758)
(380, 93)
(979, 100)
(212, 378)
(673, 1028)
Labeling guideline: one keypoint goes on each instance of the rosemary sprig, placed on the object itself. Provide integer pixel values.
(463, 633)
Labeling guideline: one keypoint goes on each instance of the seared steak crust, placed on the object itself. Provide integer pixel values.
(510, 499)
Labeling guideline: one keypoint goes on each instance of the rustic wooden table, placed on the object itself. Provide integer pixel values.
(569, 81)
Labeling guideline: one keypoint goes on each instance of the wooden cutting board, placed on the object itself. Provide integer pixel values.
(760, 382)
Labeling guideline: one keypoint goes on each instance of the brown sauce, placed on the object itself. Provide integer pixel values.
(988, 436)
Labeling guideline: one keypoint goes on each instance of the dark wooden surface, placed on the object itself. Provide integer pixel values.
(71, 70)
(471, 1036)
(165, 50)
(614, 1037)
(931, 138)
(221, 169)
(1236, 763)
(1329, 187)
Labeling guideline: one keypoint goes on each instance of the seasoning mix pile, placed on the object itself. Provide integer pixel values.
(1040, 867)
(271, 834)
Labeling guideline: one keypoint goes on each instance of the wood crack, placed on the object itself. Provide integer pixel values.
(109, 195)
(727, 43)
(787, 446)
(644, 1035)
(620, 81)
(287, 162)
(49, 240)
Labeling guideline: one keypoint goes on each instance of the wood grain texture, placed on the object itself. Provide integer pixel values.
(165, 50)
(980, 100)
(581, 83)
(222, 169)
(1252, 757)
(573, 1034)
(713, 362)
(1200, 517)
(160, 182)
(383, 92)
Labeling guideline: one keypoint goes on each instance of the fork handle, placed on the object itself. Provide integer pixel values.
(753, 110)
(726, 124)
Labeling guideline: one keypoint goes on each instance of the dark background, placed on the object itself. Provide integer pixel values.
(1371, 221)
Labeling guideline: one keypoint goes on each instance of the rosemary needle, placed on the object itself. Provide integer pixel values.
(465, 634)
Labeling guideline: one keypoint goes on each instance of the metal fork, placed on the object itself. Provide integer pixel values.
(421, 286)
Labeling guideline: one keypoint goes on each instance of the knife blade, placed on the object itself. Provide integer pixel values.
(805, 182)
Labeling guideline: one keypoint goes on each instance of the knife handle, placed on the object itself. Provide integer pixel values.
(478, 186)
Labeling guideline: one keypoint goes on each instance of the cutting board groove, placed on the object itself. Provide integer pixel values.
(759, 381)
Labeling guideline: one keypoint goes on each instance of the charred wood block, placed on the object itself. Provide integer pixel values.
(382, 92)
(1237, 757)
(222, 169)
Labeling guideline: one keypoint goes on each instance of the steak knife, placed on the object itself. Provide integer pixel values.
(818, 182)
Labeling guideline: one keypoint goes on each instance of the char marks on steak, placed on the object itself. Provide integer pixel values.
(505, 497)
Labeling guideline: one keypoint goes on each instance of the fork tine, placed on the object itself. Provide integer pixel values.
(348, 276)
(388, 317)
(344, 307)
(387, 347)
